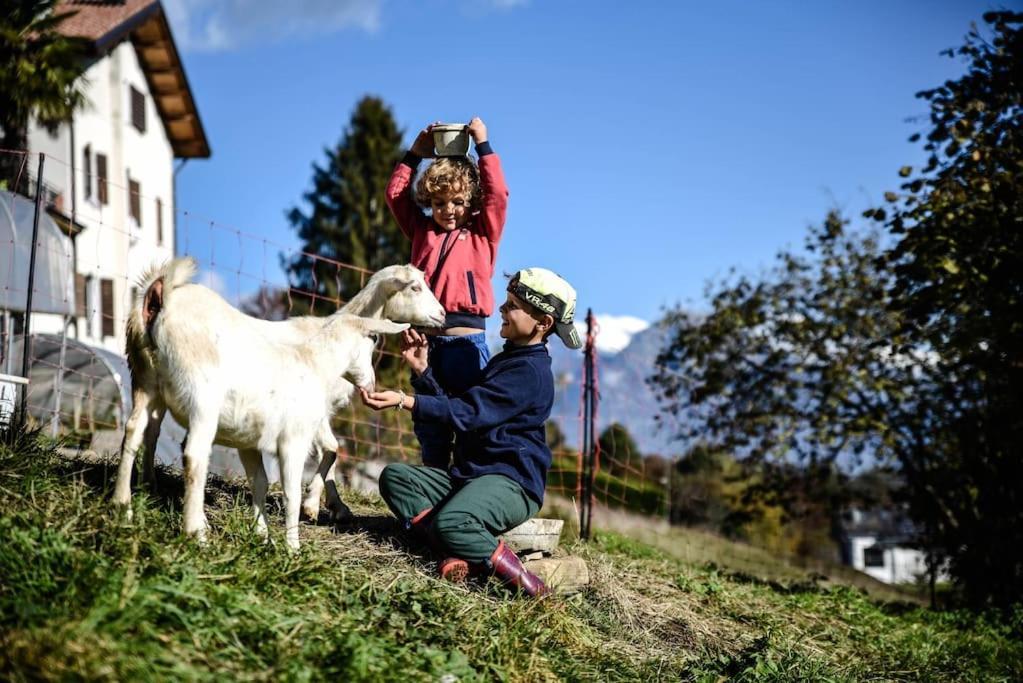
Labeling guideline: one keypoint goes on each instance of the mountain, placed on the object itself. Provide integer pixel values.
(625, 358)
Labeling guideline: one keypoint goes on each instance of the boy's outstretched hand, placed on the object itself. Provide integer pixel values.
(478, 130)
(378, 400)
(423, 145)
(414, 350)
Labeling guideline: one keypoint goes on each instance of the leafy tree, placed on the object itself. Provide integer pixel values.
(911, 355)
(795, 363)
(348, 221)
(619, 453)
(40, 72)
(958, 287)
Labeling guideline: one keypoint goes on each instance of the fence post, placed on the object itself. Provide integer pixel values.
(589, 417)
(26, 347)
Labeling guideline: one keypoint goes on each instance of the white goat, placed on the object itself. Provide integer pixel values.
(248, 383)
(367, 304)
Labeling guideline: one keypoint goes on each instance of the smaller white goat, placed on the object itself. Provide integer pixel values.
(247, 383)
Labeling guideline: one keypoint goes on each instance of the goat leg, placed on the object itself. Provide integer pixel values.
(197, 461)
(291, 455)
(327, 443)
(155, 421)
(134, 433)
(252, 460)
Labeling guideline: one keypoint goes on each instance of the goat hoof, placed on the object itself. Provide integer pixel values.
(123, 507)
(342, 514)
(311, 512)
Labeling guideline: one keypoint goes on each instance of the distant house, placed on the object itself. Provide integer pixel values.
(109, 175)
(879, 543)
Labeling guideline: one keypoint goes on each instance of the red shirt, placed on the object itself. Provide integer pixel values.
(463, 284)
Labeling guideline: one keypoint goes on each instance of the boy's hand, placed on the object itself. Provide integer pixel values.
(414, 350)
(478, 130)
(423, 145)
(378, 400)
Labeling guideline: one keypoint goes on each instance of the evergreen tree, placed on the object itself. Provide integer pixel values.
(39, 76)
(348, 221)
(348, 233)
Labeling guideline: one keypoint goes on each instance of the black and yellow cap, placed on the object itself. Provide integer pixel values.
(549, 292)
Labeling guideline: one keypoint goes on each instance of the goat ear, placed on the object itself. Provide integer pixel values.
(397, 284)
(375, 326)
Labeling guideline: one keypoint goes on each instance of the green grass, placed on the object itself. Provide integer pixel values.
(86, 595)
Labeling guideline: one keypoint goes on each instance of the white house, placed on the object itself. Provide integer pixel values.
(109, 175)
(879, 543)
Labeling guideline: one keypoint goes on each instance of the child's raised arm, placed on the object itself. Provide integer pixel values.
(399, 197)
(423, 145)
(494, 211)
(478, 130)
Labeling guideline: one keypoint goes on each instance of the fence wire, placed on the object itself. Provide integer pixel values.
(117, 231)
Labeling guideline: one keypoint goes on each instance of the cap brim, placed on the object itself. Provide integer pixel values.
(569, 335)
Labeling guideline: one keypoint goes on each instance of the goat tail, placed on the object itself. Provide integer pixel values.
(154, 286)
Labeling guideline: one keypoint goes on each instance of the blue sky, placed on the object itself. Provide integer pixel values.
(648, 146)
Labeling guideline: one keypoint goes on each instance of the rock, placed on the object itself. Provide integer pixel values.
(534, 535)
(564, 575)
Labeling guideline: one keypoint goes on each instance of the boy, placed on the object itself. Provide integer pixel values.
(456, 247)
(501, 457)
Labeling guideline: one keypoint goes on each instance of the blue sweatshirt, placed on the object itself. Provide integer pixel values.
(499, 422)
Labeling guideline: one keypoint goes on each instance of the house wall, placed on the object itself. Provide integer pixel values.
(901, 565)
(112, 245)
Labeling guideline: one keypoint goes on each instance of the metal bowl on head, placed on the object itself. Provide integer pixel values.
(451, 139)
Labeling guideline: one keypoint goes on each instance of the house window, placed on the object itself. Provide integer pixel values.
(81, 310)
(87, 172)
(873, 556)
(159, 222)
(134, 202)
(138, 109)
(101, 178)
(106, 307)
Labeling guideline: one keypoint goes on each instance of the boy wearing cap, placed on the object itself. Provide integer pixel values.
(501, 458)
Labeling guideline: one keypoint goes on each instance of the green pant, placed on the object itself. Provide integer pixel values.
(467, 516)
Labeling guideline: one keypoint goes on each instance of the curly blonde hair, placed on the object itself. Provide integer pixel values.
(446, 173)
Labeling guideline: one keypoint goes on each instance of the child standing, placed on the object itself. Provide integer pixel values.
(456, 247)
(501, 456)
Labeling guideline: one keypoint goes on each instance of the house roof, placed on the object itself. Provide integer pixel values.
(108, 22)
(884, 524)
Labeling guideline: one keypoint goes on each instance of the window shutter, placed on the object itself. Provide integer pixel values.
(159, 222)
(138, 110)
(101, 178)
(135, 202)
(80, 308)
(106, 307)
(87, 172)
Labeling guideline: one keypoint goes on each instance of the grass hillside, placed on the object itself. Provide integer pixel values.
(86, 595)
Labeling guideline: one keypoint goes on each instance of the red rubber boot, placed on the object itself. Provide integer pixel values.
(508, 568)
